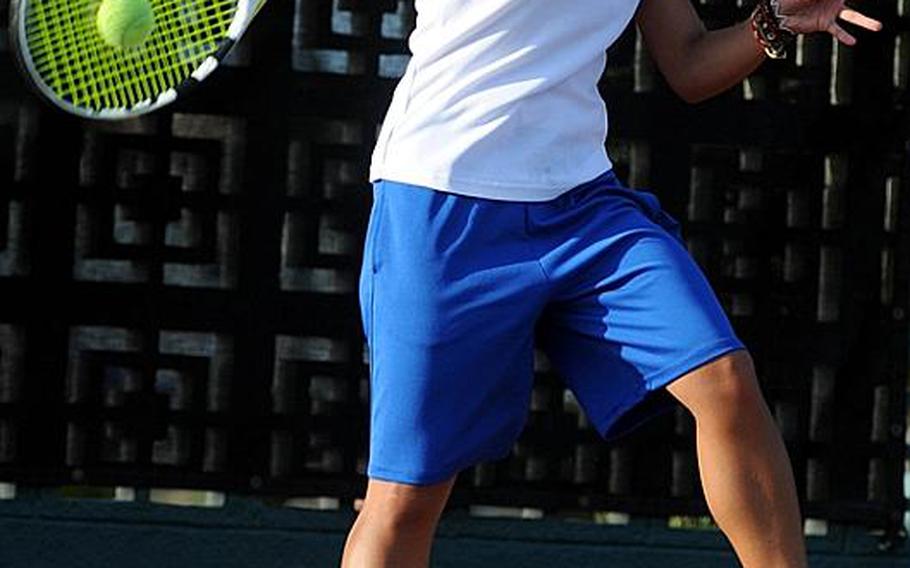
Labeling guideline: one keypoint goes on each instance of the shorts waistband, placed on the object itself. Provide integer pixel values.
(606, 179)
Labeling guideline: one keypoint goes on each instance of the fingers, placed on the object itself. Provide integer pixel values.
(784, 26)
(841, 34)
(860, 20)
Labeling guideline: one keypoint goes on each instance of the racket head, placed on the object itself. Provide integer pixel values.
(60, 51)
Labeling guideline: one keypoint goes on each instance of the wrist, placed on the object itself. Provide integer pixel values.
(749, 29)
(769, 29)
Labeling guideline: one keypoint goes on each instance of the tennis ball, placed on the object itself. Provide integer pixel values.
(125, 23)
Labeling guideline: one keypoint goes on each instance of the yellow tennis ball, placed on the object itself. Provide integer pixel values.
(125, 23)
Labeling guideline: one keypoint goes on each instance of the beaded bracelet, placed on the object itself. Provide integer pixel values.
(769, 29)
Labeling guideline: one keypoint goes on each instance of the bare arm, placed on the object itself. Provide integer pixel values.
(697, 63)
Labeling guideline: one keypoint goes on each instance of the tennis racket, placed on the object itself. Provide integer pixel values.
(62, 54)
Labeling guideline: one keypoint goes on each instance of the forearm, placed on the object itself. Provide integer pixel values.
(717, 60)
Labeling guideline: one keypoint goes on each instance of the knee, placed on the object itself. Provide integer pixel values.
(725, 389)
(405, 507)
(733, 381)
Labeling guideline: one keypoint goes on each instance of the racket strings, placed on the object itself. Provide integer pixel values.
(72, 40)
(77, 39)
(76, 65)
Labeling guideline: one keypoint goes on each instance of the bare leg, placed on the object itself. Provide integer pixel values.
(395, 526)
(745, 470)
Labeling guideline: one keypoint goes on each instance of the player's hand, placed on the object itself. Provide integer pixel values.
(808, 16)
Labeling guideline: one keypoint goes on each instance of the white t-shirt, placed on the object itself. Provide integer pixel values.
(500, 100)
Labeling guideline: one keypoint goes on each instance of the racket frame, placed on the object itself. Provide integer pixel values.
(243, 17)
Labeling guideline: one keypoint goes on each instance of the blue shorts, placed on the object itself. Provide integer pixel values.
(453, 287)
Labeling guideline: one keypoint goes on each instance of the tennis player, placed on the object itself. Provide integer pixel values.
(496, 211)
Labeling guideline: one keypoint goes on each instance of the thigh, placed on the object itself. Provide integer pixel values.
(632, 312)
(449, 297)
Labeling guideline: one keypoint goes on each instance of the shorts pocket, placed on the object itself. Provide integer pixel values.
(373, 246)
(671, 224)
(369, 265)
(657, 214)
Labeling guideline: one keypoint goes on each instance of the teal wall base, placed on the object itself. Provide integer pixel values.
(45, 532)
